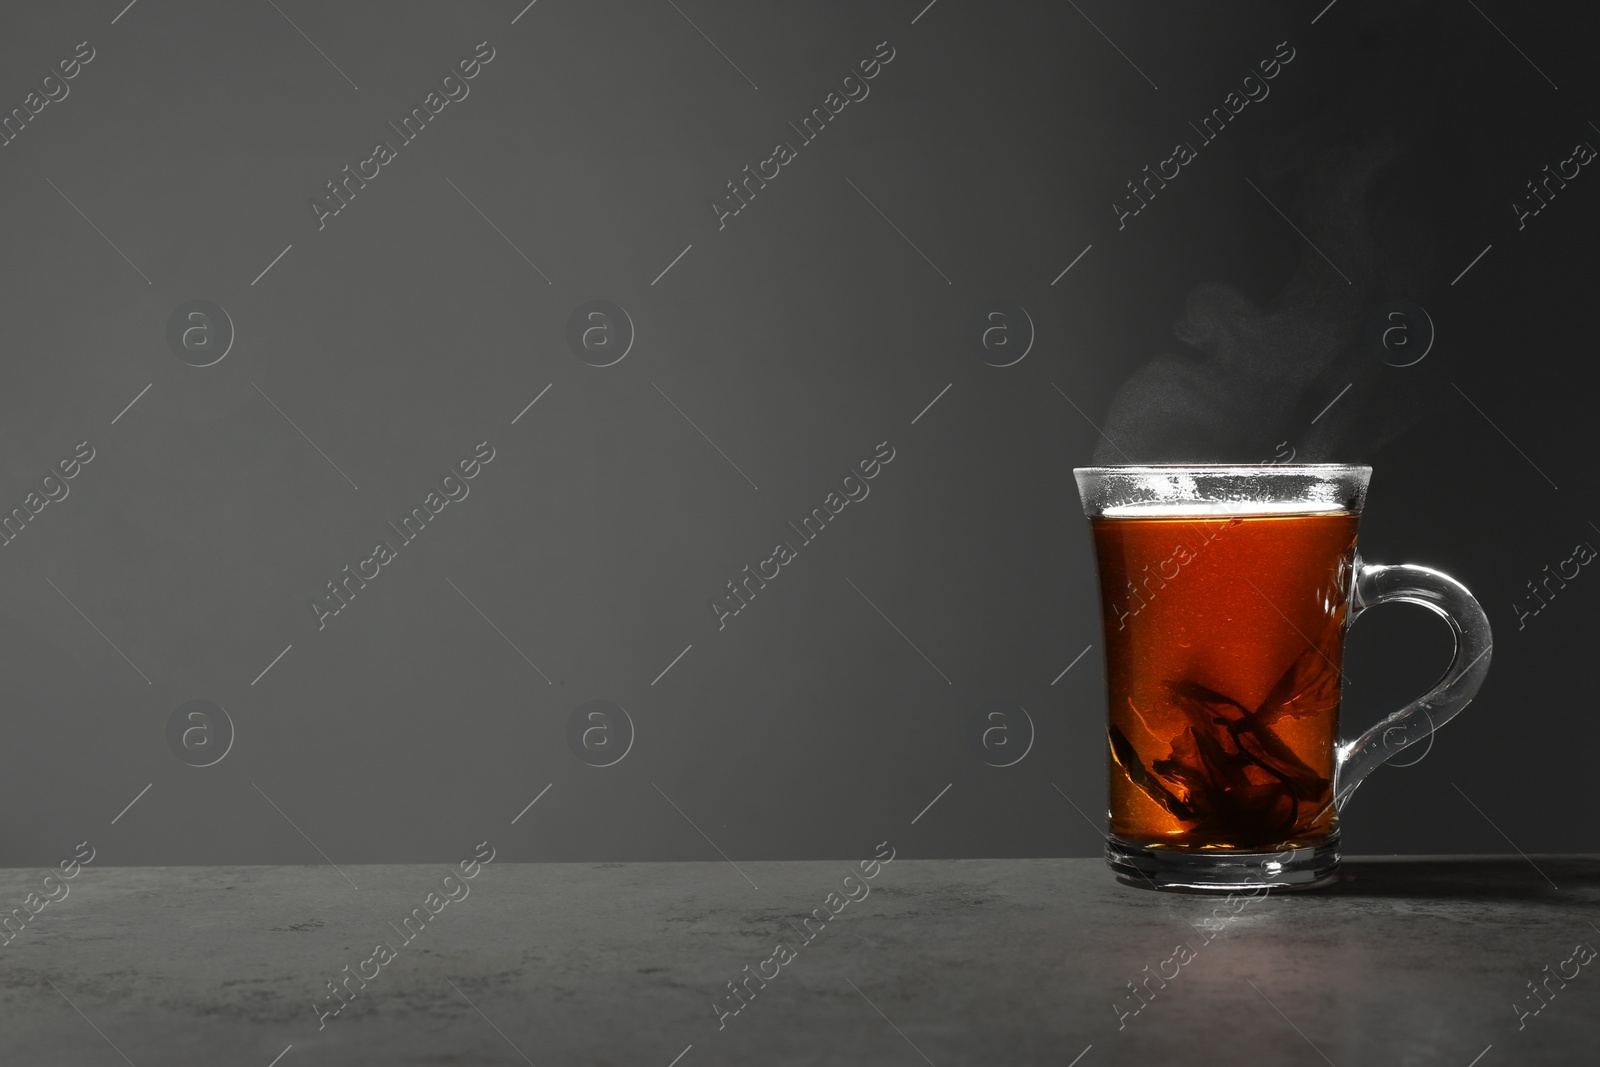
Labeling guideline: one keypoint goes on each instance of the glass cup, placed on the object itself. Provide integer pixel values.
(1226, 591)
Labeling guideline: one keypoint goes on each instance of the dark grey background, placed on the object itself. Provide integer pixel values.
(797, 338)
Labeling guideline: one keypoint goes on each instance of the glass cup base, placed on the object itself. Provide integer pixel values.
(1223, 872)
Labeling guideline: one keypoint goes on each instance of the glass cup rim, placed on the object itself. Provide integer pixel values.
(1172, 468)
(1130, 490)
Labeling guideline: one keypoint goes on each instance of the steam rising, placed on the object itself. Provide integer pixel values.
(1256, 362)
(1361, 181)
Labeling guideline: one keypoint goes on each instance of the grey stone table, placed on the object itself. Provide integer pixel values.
(1009, 962)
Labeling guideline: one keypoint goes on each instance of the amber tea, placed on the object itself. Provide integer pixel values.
(1223, 644)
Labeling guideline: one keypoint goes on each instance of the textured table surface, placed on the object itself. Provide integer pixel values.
(1405, 961)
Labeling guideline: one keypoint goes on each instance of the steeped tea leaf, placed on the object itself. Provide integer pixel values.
(1264, 746)
(1309, 685)
(1205, 707)
(1128, 759)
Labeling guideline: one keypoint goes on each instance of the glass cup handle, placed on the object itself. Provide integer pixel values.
(1378, 583)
